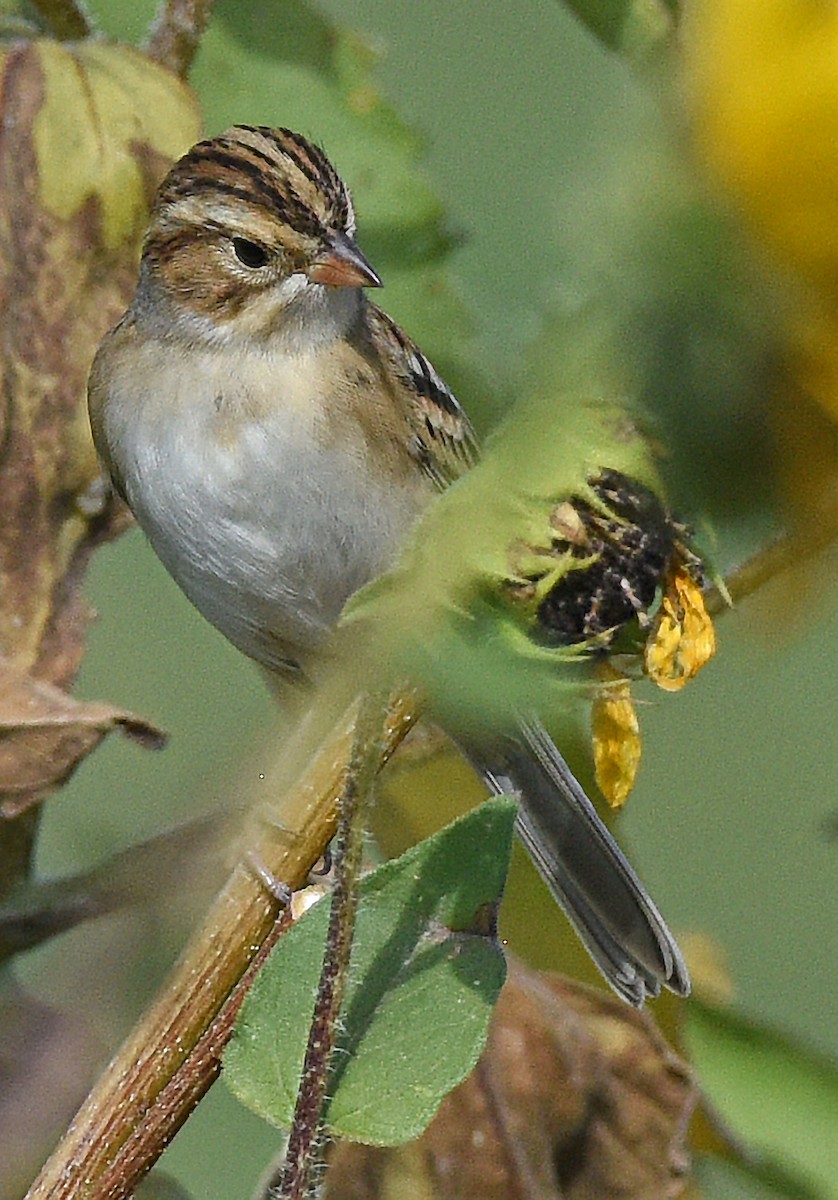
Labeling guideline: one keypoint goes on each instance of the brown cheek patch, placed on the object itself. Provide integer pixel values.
(191, 269)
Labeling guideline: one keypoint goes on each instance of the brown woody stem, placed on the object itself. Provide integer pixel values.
(163, 1067)
(174, 38)
(65, 19)
(188, 1086)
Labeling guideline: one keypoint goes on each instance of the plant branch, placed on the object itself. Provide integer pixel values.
(188, 1086)
(174, 37)
(295, 1180)
(784, 553)
(65, 19)
(17, 841)
(159, 1049)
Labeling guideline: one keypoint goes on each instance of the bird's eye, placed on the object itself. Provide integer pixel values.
(250, 254)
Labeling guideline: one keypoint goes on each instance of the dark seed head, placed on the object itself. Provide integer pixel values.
(632, 545)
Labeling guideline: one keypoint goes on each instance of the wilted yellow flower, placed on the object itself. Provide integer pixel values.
(616, 737)
(682, 638)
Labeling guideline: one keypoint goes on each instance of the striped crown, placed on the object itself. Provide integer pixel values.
(273, 171)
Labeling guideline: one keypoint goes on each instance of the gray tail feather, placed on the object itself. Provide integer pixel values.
(585, 869)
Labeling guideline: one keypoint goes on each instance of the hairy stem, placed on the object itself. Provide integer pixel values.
(296, 1178)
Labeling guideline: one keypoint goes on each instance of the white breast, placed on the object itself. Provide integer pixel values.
(267, 524)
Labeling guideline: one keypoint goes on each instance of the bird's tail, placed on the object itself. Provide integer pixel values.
(585, 869)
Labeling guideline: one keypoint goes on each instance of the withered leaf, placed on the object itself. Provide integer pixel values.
(577, 1096)
(45, 734)
(89, 129)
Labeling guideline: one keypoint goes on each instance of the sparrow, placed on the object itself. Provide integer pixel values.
(277, 436)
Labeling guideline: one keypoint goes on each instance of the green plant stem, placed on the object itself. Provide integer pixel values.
(784, 553)
(296, 1178)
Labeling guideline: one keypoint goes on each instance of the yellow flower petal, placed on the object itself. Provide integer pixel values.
(682, 638)
(616, 738)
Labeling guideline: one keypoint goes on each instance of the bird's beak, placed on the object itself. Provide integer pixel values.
(342, 265)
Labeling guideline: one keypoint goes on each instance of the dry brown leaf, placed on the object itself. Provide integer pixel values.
(89, 127)
(576, 1097)
(44, 735)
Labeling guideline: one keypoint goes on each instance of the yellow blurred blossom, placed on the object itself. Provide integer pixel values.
(763, 77)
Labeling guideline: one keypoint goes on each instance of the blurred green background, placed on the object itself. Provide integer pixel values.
(545, 152)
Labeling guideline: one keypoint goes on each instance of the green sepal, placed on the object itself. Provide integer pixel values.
(447, 616)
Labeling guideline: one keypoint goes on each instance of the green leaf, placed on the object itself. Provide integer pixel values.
(736, 1179)
(425, 975)
(780, 1098)
(161, 1186)
(639, 29)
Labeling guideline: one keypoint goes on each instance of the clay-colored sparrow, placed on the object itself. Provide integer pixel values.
(277, 436)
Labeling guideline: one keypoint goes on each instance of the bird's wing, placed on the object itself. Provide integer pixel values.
(444, 442)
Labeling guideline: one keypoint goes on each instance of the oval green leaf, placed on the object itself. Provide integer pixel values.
(780, 1098)
(426, 971)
